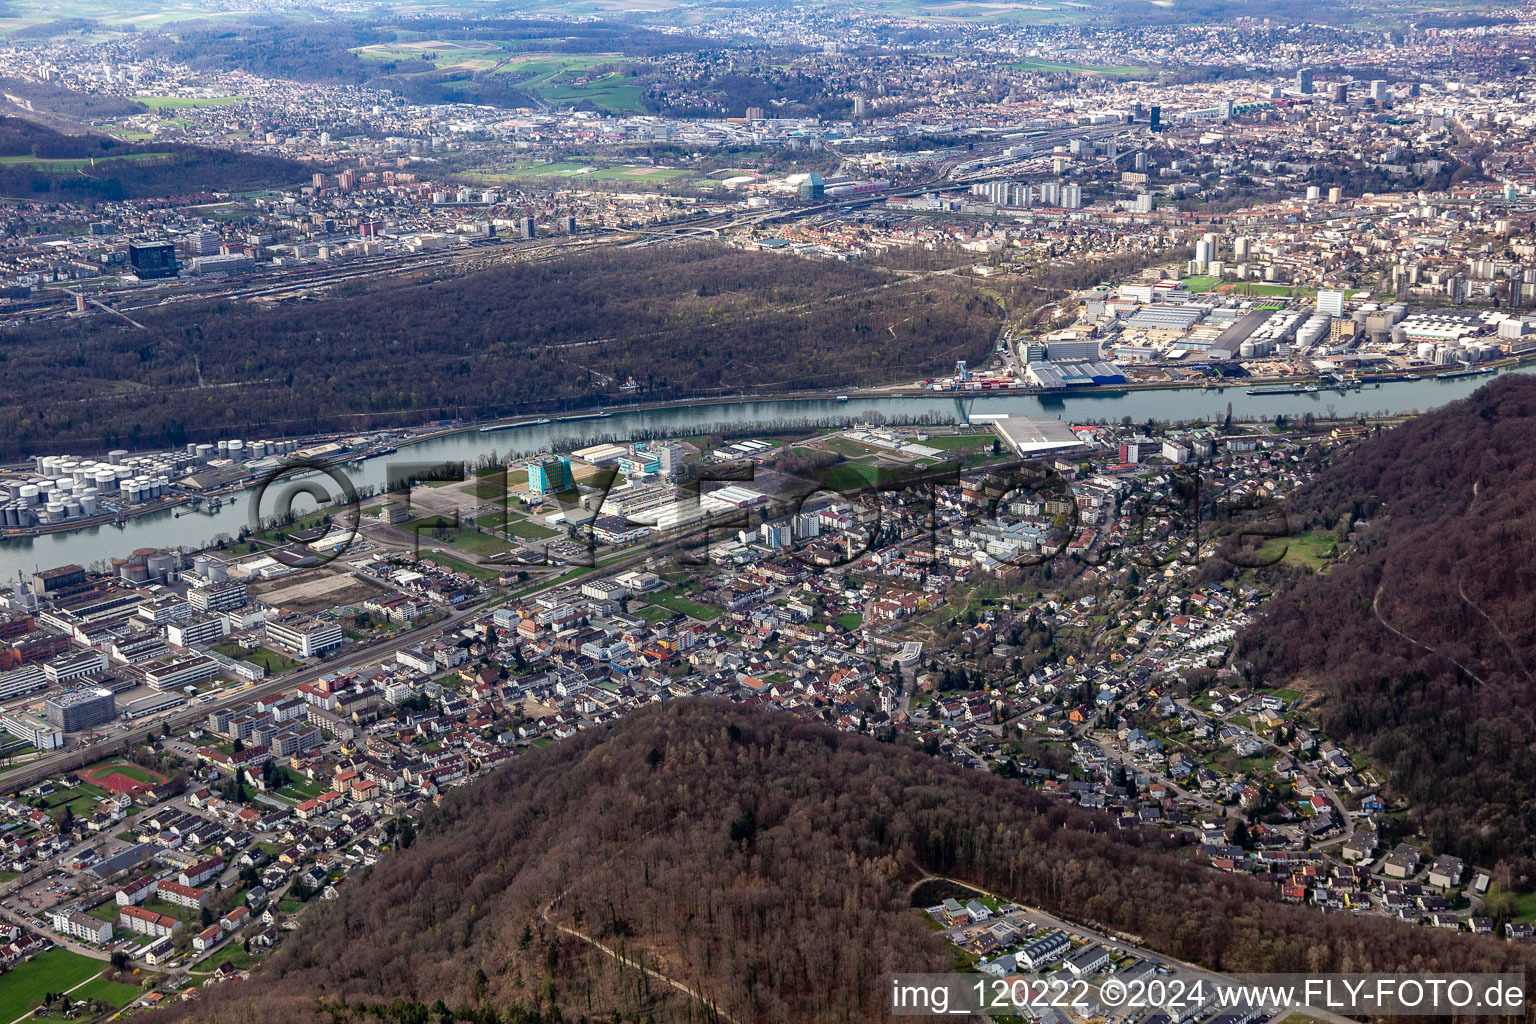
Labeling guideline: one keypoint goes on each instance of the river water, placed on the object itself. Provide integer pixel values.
(165, 530)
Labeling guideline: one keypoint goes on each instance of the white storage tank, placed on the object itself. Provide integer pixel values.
(29, 494)
(55, 511)
(205, 452)
(237, 450)
(117, 454)
(89, 505)
(1426, 351)
(223, 449)
(105, 481)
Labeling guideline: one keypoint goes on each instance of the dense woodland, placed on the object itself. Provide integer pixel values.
(48, 98)
(568, 333)
(1423, 643)
(769, 867)
(172, 170)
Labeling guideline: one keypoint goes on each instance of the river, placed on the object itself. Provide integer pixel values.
(163, 530)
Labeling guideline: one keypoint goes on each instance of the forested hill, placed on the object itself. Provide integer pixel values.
(766, 866)
(1424, 641)
(566, 333)
(41, 162)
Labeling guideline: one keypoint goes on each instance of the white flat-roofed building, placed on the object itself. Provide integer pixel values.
(599, 454)
(732, 496)
(637, 581)
(178, 672)
(75, 665)
(1028, 436)
(305, 636)
(204, 629)
(22, 680)
(42, 735)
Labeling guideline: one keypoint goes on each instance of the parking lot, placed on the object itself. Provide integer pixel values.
(41, 895)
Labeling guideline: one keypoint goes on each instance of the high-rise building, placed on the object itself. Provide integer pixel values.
(526, 225)
(860, 106)
(151, 260)
(755, 114)
(317, 180)
(201, 243)
(74, 710)
(1144, 203)
(1155, 118)
(1379, 90)
(776, 535)
(669, 457)
(1005, 193)
(1330, 302)
(1304, 81)
(1072, 197)
(550, 475)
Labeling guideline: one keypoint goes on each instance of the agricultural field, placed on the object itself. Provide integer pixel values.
(558, 79)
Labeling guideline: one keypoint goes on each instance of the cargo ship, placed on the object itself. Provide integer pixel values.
(1286, 389)
(1455, 374)
(510, 426)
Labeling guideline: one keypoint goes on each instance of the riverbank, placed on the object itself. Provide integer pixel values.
(740, 415)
